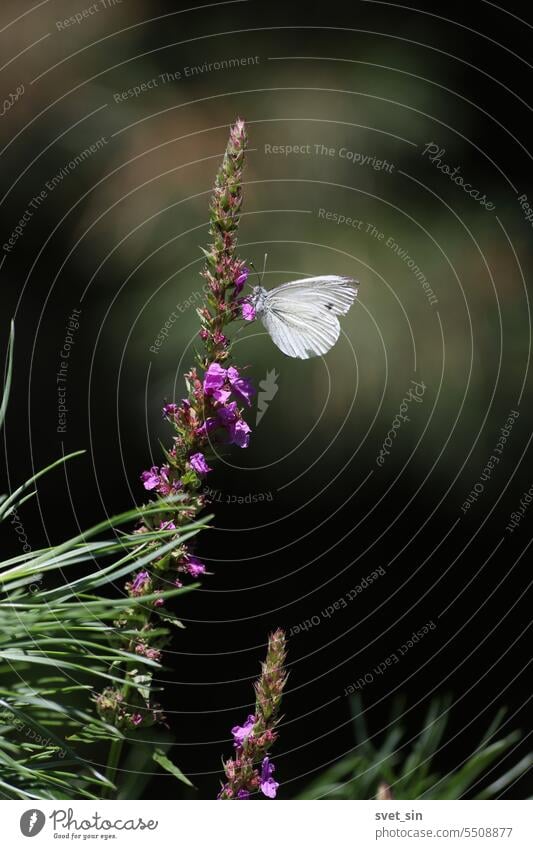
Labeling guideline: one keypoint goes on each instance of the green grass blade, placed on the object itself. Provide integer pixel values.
(9, 375)
(160, 758)
(11, 502)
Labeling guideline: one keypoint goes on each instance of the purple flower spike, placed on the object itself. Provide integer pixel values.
(241, 280)
(136, 719)
(241, 385)
(199, 464)
(248, 312)
(151, 478)
(243, 794)
(269, 787)
(242, 732)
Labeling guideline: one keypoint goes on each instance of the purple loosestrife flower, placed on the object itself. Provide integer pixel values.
(240, 385)
(194, 420)
(150, 478)
(268, 786)
(140, 580)
(219, 383)
(242, 732)
(228, 414)
(253, 739)
(160, 480)
(206, 427)
(248, 311)
(194, 567)
(241, 279)
(167, 526)
(238, 430)
(140, 585)
(214, 380)
(170, 411)
(199, 463)
(240, 434)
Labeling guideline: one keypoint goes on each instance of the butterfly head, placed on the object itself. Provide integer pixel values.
(258, 298)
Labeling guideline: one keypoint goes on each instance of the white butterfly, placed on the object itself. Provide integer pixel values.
(301, 316)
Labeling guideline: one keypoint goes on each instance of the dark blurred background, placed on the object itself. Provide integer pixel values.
(117, 237)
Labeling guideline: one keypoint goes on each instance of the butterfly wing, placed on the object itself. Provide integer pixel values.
(301, 316)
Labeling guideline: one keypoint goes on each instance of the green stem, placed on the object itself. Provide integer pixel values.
(115, 751)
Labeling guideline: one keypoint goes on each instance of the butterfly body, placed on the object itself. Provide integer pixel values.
(301, 316)
(258, 299)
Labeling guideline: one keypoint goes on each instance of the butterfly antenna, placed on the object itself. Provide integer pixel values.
(254, 269)
(264, 268)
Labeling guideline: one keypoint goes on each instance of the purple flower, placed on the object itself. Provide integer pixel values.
(139, 582)
(240, 434)
(243, 794)
(199, 464)
(136, 719)
(167, 526)
(248, 311)
(150, 478)
(206, 427)
(229, 414)
(170, 410)
(242, 732)
(194, 567)
(241, 279)
(221, 395)
(214, 378)
(268, 786)
(165, 486)
(238, 430)
(215, 384)
(240, 385)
